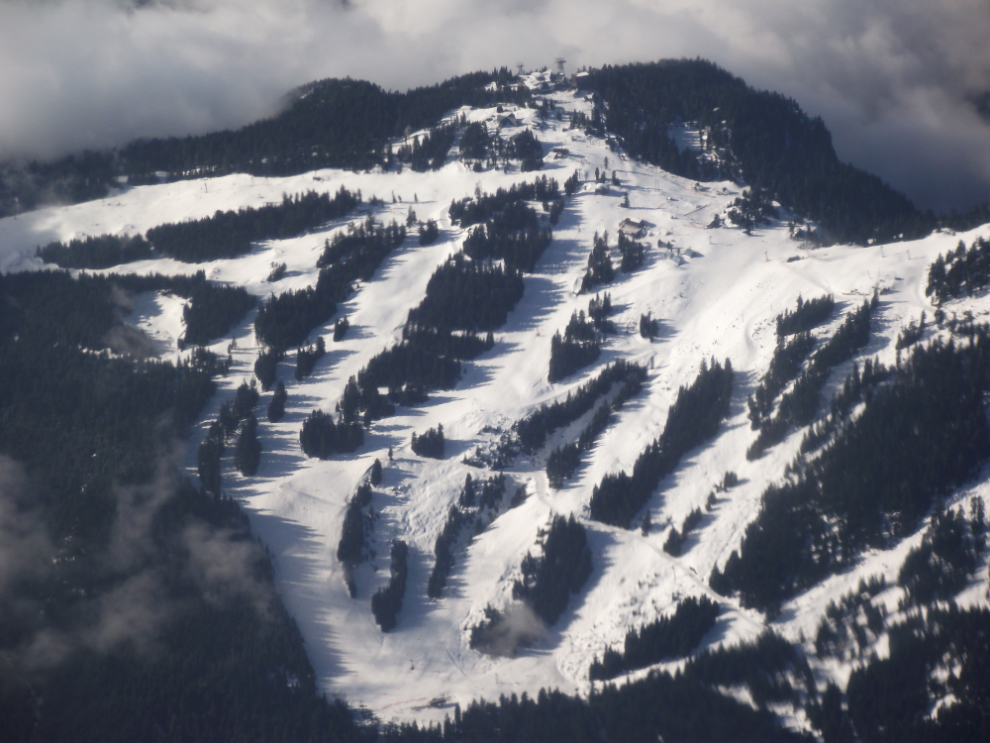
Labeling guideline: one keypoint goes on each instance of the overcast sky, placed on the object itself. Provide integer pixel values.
(891, 78)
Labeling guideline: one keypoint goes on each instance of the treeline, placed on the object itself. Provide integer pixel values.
(861, 491)
(785, 365)
(800, 406)
(430, 443)
(234, 414)
(102, 251)
(287, 320)
(761, 137)
(891, 699)
(462, 295)
(482, 293)
(443, 552)
(565, 459)
(212, 311)
(427, 152)
(351, 548)
(941, 566)
(547, 582)
(534, 428)
(86, 440)
(579, 347)
(694, 418)
(387, 601)
(343, 124)
(512, 235)
(807, 316)
(306, 358)
(688, 706)
(477, 507)
(483, 206)
(674, 544)
(960, 271)
(600, 269)
(320, 437)
(230, 234)
(666, 638)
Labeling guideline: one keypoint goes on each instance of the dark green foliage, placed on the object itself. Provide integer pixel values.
(340, 329)
(482, 206)
(534, 428)
(861, 490)
(579, 347)
(213, 311)
(694, 418)
(761, 137)
(649, 327)
(892, 699)
(633, 254)
(306, 358)
(287, 319)
(92, 433)
(208, 456)
(428, 233)
(429, 151)
(429, 444)
(753, 209)
(674, 544)
(513, 234)
(266, 367)
(376, 472)
(247, 453)
(800, 406)
(599, 309)
(103, 251)
(940, 566)
(230, 234)
(443, 550)
(807, 316)
(475, 142)
(600, 269)
(329, 124)
(666, 638)
(854, 617)
(387, 601)
(564, 460)
(321, 437)
(350, 549)
(245, 400)
(960, 272)
(526, 148)
(277, 273)
(468, 295)
(911, 334)
(276, 408)
(572, 184)
(548, 582)
(785, 365)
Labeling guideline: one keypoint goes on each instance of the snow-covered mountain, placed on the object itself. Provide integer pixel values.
(716, 292)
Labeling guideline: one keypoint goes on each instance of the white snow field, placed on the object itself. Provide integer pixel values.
(720, 301)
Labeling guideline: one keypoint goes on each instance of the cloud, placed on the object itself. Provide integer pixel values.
(893, 79)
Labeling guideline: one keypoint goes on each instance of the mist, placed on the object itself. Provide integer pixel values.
(894, 80)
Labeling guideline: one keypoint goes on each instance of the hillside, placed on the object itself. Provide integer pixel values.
(720, 261)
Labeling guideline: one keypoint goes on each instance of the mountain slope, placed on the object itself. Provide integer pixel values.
(716, 292)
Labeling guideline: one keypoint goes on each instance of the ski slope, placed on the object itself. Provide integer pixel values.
(719, 301)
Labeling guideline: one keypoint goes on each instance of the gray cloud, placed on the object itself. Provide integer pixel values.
(892, 78)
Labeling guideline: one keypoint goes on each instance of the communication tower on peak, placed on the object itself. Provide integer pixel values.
(560, 64)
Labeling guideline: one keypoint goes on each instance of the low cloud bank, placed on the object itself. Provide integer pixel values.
(894, 80)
